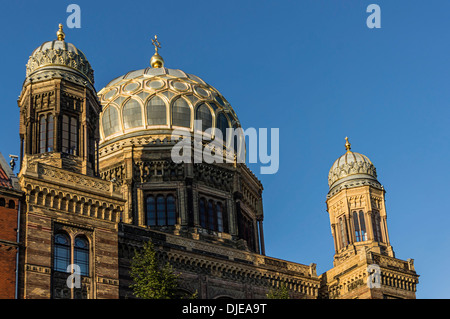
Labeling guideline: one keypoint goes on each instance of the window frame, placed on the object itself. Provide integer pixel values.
(148, 107)
(376, 227)
(161, 218)
(126, 114)
(189, 107)
(208, 214)
(71, 246)
(71, 128)
(56, 249)
(82, 250)
(359, 223)
(46, 133)
(210, 112)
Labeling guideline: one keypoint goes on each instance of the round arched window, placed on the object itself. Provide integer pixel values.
(81, 255)
(132, 114)
(110, 121)
(62, 252)
(181, 113)
(156, 111)
(204, 115)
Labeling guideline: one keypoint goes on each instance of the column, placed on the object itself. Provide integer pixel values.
(333, 233)
(261, 237)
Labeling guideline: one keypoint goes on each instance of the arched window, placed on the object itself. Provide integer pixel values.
(212, 215)
(161, 210)
(356, 223)
(110, 121)
(202, 212)
(12, 204)
(151, 211)
(376, 226)
(156, 111)
(171, 212)
(2, 202)
(343, 228)
(211, 221)
(132, 114)
(181, 113)
(81, 255)
(62, 252)
(73, 136)
(50, 130)
(360, 226)
(204, 115)
(46, 128)
(42, 134)
(69, 135)
(219, 212)
(222, 125)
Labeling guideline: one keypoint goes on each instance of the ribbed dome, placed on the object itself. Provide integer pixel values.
(157, 100)
(59, 55)
(350, 167)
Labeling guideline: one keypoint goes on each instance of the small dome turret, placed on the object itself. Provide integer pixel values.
(352, 169)
(59, 58)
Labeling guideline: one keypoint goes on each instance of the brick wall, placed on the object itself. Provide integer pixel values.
(8, 247)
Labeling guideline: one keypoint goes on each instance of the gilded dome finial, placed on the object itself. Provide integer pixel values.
(156, 61)
(60, 34)
(347, 144)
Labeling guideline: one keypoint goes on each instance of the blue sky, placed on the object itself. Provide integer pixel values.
(311, 68)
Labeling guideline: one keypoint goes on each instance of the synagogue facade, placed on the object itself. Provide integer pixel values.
(97, 180)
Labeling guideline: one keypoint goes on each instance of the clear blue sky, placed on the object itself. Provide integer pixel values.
(311, 68)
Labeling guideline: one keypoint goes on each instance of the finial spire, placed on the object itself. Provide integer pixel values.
(156, 61)
(60, 34)
(156, 44)
(347, 144)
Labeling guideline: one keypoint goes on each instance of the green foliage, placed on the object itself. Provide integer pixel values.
(280, 292)
(151, 281)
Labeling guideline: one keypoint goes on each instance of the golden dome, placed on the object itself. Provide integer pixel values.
(156, 101)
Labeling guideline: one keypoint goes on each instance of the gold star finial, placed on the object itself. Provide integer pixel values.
(347, 144)
(156, 44)
(60, 34)
(156, 61)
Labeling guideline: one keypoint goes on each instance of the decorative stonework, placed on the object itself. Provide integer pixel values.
(146, 171)
(214, 176)
(60, 53)
(351, 163)
(64, 176)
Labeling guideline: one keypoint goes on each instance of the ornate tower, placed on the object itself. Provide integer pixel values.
(197, 203)
(364, 261)
(59, 109)
(69, 217)
(356, 206)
